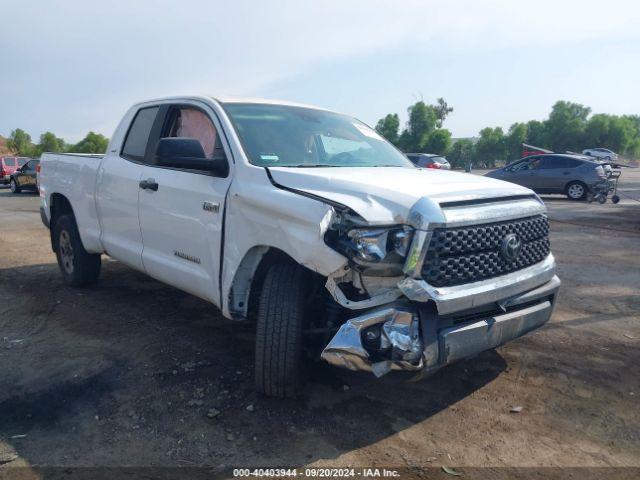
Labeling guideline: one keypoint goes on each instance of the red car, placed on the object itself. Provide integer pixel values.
(8, 166)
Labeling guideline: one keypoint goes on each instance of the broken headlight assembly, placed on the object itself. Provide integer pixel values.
(379, 251)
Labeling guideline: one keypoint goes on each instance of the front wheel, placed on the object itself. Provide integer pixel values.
(576, 191)
(79, 267)
(14, 187)
(278, 362)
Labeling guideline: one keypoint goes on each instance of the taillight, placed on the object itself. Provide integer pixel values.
(38, 168)
(433, 165)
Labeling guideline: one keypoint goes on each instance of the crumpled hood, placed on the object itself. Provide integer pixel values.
(386, 194)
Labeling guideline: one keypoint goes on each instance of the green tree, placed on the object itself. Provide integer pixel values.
(92, 143)
(490, 147)
(537, 134)
(461, 153)
(20, 142)
(50, 143)
(439, 141)
(442, 110)
(422, 121)
(516, 136)
(389, 127)
(566, 126)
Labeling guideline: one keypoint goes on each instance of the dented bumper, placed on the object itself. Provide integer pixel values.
(403, 336)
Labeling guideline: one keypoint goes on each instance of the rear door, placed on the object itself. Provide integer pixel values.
(181, 220)
(118, 190)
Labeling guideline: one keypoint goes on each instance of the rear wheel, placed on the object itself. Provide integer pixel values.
(78, 267)
(576, 191)
(14, 187)
(279, 359)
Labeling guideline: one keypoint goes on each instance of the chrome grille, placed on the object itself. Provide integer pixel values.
(468, 254)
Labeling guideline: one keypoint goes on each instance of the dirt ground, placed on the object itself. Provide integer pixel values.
(126, 372)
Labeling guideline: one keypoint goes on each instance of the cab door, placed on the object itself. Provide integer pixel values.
(181, 210)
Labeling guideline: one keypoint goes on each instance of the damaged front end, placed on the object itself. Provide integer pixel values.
(378, 341)
(408, 324)
(388, 336)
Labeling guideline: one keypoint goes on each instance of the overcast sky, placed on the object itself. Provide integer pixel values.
(74, 66)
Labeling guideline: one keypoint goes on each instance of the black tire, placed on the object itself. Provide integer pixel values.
(279, 359)
(14, 186)
(569, 190)
(615, 199)
(79, 268)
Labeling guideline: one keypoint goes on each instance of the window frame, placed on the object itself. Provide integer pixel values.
(160, 127)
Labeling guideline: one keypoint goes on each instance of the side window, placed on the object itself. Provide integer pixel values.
(135, 145)
(193, 123)
(519, 166)
(548, 162)
(572, 163)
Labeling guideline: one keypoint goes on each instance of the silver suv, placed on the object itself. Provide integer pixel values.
(571, 175)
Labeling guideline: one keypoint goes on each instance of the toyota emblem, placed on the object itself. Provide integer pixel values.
(511, 246)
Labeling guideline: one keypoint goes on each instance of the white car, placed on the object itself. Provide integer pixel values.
(601, 153)
(311, 224)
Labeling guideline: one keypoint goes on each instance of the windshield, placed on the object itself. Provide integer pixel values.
(285, 136)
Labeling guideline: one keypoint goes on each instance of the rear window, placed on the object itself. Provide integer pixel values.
(22, 161)
(10, 162)
(135, 144)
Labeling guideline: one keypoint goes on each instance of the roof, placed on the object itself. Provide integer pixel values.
(230, 99)
(261, 101)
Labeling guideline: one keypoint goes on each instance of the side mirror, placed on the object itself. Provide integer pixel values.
(187, 153)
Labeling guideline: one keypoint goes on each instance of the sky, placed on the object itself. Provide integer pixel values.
(74, 66)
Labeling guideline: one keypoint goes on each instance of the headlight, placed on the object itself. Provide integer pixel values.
(387, 246)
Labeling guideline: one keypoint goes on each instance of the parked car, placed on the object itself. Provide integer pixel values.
(601, 153)
(25, 177)
(572, 175)
(429, 160)
(8, 166)
(375, 265)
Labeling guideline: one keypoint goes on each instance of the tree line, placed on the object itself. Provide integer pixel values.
(21, 144)
(569, 127)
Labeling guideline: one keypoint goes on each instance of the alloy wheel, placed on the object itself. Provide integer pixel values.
(66, 252)
(576, 191)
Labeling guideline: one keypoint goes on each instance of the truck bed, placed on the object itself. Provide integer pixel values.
(73, 175)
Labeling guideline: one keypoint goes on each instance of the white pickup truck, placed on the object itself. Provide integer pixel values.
(311, 224)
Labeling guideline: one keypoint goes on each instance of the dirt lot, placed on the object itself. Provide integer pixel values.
(125, 373)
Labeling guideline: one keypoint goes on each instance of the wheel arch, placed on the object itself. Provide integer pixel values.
(58, 205)
(247, 282)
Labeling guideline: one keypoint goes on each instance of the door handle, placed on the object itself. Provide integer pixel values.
(149, 184)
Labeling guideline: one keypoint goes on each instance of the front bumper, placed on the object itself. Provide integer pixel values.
(405, 330)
